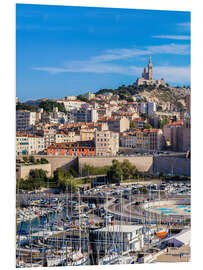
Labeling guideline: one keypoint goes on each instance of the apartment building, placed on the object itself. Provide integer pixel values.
(62, 137)
(118, 125)
(128, 140)
(107, 143)
(89, 95)
(104, 111)
(177, 135)
(149, 139)
(151, 108)
(188, 102)
(29, 144)
(49, 135)
(54, 117)
(139, 123)
(79, 148)
(87, 134)
(86, 115)
(71, 104)
(25, 120)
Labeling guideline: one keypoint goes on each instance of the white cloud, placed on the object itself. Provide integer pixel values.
(51, 70)
(173, 74)
(184, 26)
(93, 68)
(177, 37)
(118, 54)
(102, 63)
(180, 49)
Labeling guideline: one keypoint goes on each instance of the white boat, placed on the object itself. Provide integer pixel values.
(109, 259)
(125, 260)
(76, 259)
(55, 260)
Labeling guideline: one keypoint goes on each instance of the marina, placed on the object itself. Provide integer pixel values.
(105, 225)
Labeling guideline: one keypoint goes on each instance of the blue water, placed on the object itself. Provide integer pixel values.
(167, 212)
(181, 206)
(187, 211)
(37, 223)
(167, 209)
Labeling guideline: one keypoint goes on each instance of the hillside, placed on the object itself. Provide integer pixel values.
(164, 96)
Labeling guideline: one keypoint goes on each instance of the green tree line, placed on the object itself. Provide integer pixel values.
(47, 106)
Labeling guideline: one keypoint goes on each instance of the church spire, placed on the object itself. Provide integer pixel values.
(150, 73)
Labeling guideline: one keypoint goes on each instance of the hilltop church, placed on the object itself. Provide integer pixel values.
(147, 76)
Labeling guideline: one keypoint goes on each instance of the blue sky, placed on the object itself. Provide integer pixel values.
(64, 50)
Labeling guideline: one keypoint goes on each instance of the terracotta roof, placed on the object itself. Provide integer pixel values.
(177, 123)
(152, 130)
(72, 144)
(72, 100)
(19, 134)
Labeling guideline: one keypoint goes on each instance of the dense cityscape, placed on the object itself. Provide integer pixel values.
(104, 177)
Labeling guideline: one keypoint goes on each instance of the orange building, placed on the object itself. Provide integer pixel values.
(80, 148)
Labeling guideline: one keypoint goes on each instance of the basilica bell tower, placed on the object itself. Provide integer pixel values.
(150, 74)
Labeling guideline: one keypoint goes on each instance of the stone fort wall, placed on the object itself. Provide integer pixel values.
(165, 164)
(59, 161)
(171, 165)
(23, 171)
(144, 164)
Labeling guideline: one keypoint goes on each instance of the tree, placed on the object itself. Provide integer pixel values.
(159, 108)
(147, 126)
(129, 170)
(132, 124)
(48, 106)
(143, 115)
(126, 168)
(62, 184)
(91, 170)
(31, 159)
(44, 161)
(115, 172)
(71, 186)
(67, 185)
(163, 122)
(61, 177)
(24, 106)
(38, 174)
(82, 98)
(143, 189)
(129, 99)
(25, 159)
(61, 174)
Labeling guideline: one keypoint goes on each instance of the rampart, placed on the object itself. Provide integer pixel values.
(22, 171)
(59, 161)
(152, 164)
(143, 164)
(171, 165)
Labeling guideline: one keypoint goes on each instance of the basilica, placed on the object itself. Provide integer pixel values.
(147, 76)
